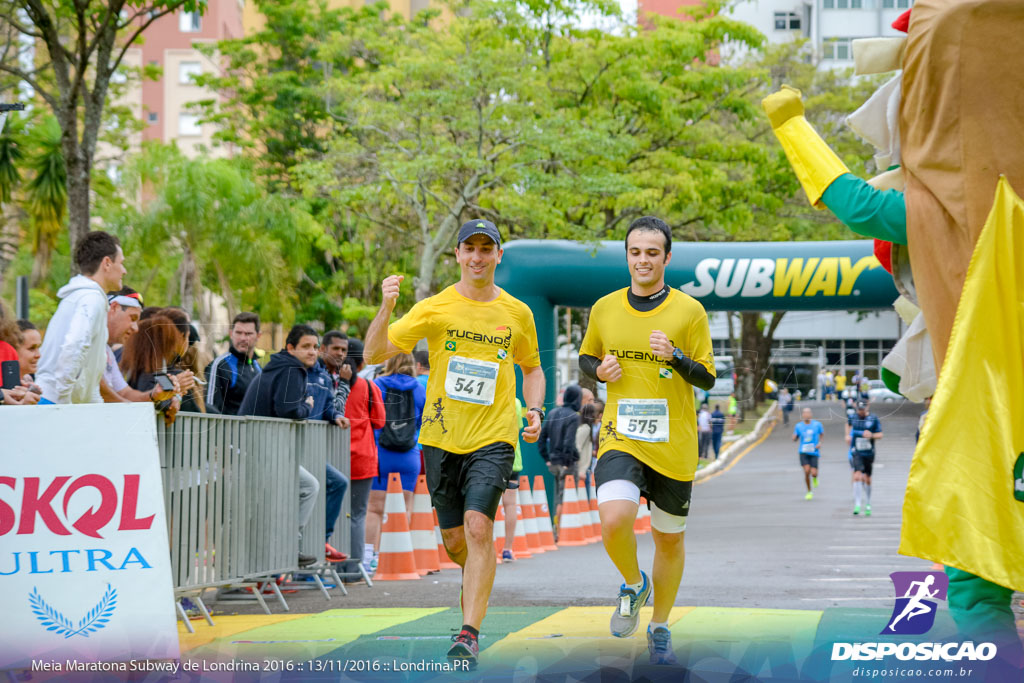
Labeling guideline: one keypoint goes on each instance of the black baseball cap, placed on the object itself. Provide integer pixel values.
(479, 227)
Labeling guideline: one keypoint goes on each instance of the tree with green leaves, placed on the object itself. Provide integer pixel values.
(85, 42)
(208, 225)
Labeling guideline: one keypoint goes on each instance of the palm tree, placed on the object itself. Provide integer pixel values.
(10, 178)
(46, 194)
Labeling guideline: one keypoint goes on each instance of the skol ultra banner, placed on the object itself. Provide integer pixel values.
(84, 562)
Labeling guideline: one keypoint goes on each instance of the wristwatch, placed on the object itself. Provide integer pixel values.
(678, 354)
(539, 411)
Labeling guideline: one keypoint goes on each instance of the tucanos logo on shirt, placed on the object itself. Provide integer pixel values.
(502, 336)
(758, 277)
(643, 356)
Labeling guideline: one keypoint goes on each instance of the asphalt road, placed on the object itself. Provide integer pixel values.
(752, 539)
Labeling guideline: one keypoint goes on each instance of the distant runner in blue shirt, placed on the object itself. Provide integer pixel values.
(809, 433)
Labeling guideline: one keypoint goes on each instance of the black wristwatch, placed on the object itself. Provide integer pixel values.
(539, 411)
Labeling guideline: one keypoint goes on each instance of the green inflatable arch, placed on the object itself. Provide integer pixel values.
(723, 276)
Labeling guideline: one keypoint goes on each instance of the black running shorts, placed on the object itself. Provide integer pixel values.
(863, 463)
(467, 481)
(807, 459)
(670, 495)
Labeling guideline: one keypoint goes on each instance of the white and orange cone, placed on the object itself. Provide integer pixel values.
(529, 515)
(424, 543)
(586, 522)
(397, 561)
(570, 527)
(545, 531)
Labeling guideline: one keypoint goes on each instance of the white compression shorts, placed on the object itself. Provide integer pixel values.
(623, 489)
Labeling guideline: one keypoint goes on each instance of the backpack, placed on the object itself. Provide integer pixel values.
(399, 431)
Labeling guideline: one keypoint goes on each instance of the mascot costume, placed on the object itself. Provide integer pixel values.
(949, 135)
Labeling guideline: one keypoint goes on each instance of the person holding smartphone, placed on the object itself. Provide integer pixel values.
(147, 355)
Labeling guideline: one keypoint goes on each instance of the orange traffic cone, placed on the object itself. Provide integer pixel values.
(520, 547)
(499, 531)
(641, 515)
(595, 516)
(570, 528)
(424, 543)
(585, 521)
(396, 557)
(529, 515)
(540, 504)
(442, 554)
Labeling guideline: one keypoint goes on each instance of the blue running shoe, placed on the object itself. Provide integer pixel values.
(659, 644)
(627, 613)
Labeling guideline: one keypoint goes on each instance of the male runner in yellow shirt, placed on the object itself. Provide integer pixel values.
(475, 332)
(652, 345)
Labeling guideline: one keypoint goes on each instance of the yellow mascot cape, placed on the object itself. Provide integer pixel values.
(964, 505)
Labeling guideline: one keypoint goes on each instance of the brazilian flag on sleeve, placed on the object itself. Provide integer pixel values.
(964, 505)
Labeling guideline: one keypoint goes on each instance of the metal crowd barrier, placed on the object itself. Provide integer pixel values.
(231, 491)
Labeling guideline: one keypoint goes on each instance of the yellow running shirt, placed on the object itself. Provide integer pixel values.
(650, 412)
(471, 389)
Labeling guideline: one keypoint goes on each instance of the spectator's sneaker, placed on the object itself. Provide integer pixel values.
(331, 554)
(856, 509)
(627, 613)
(306, 560)
(373, 563)
(191, 609)
(867, 510)
(659, 644)
(465, 648)
(809, 496)
(507, 556)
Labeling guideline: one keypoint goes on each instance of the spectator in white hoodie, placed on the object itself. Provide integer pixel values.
(74, 350)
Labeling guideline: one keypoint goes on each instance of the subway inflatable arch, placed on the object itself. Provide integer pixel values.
(723, 276)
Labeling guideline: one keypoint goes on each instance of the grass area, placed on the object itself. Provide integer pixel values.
(747, 425)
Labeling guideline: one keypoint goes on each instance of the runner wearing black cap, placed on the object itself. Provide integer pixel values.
(864, 430)
(475, 333)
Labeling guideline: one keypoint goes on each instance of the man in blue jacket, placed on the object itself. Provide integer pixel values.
(281, 391)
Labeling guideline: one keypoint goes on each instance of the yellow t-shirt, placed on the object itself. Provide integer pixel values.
(656, 423)
(840, 382)
(471, 390)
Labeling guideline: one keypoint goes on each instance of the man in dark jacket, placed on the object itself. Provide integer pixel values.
(557, 443)
(281, 391)
(320, 385)
(230, 374)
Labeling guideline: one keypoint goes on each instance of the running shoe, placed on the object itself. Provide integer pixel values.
(507, 556)
(659, 644)
(809, 496)
(627, 614)
(465, 648)
(867, 510)
(856, 509)
(815, 482)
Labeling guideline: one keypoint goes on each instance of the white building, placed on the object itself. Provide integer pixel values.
(806, 341)
(829, 24)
